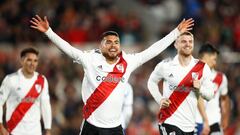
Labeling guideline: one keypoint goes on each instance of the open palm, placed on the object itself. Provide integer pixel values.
(40, 24)
(186, 25)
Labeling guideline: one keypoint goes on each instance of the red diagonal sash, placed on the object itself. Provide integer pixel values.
(104, 89)
(24, 106)
(181, 92)
(218, 80)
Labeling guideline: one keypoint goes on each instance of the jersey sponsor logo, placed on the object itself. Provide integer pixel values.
(110, 78)
(181, 88)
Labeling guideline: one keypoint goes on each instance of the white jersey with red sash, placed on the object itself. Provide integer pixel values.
(177, 86)
(212, 107)
(105, 88)
(213, 110)
(181, 92)
(25, 104)
(103, 84)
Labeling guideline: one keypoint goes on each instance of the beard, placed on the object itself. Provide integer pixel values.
(111, 56)
(185, 53)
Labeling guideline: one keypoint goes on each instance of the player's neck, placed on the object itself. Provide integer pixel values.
(27, 74)
(184, 60)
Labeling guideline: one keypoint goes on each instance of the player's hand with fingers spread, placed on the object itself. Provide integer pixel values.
(186, 25)
(40, 24)
(164, 103)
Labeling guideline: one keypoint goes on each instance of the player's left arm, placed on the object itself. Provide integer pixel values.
(46, 108)
(166, 41)
(224, 103)
(127, 110)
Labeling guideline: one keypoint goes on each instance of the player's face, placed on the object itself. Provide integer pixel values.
(29, 63)
(184, 45)
(210, 59)
(110, 47)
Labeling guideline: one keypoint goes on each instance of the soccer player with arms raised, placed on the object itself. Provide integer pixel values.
(107, 70)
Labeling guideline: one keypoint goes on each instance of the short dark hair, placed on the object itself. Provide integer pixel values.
(207, 48)
(28, 50)
(107, 33)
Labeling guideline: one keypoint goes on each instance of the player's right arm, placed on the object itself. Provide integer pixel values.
(224, 103)
(42, 25)
(153, 81)
(4, 93)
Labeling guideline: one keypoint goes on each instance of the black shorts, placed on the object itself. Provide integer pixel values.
(215, 128)
(89, 129)
(167, 129)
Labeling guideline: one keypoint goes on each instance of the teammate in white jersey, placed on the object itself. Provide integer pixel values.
(26, 95)
(184, 79)
(127, 109)
(107, 70)
(213, 113)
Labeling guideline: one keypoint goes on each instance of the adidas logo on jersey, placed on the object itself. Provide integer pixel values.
(171, 75)
(100, 67)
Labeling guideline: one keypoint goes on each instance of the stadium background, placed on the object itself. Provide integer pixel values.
(140, 23)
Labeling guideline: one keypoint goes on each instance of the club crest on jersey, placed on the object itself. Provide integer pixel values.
(120, 67)
(38, 87)
(195, 75)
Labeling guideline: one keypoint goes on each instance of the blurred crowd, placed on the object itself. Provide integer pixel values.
(81, 22)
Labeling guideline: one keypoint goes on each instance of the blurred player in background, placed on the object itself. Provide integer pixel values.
(127, 109)
(184, 79)
(214, 116)
(107, 70)
(27, 99)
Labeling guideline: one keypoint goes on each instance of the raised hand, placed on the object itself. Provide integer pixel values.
(40, 24)
(186, 25)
